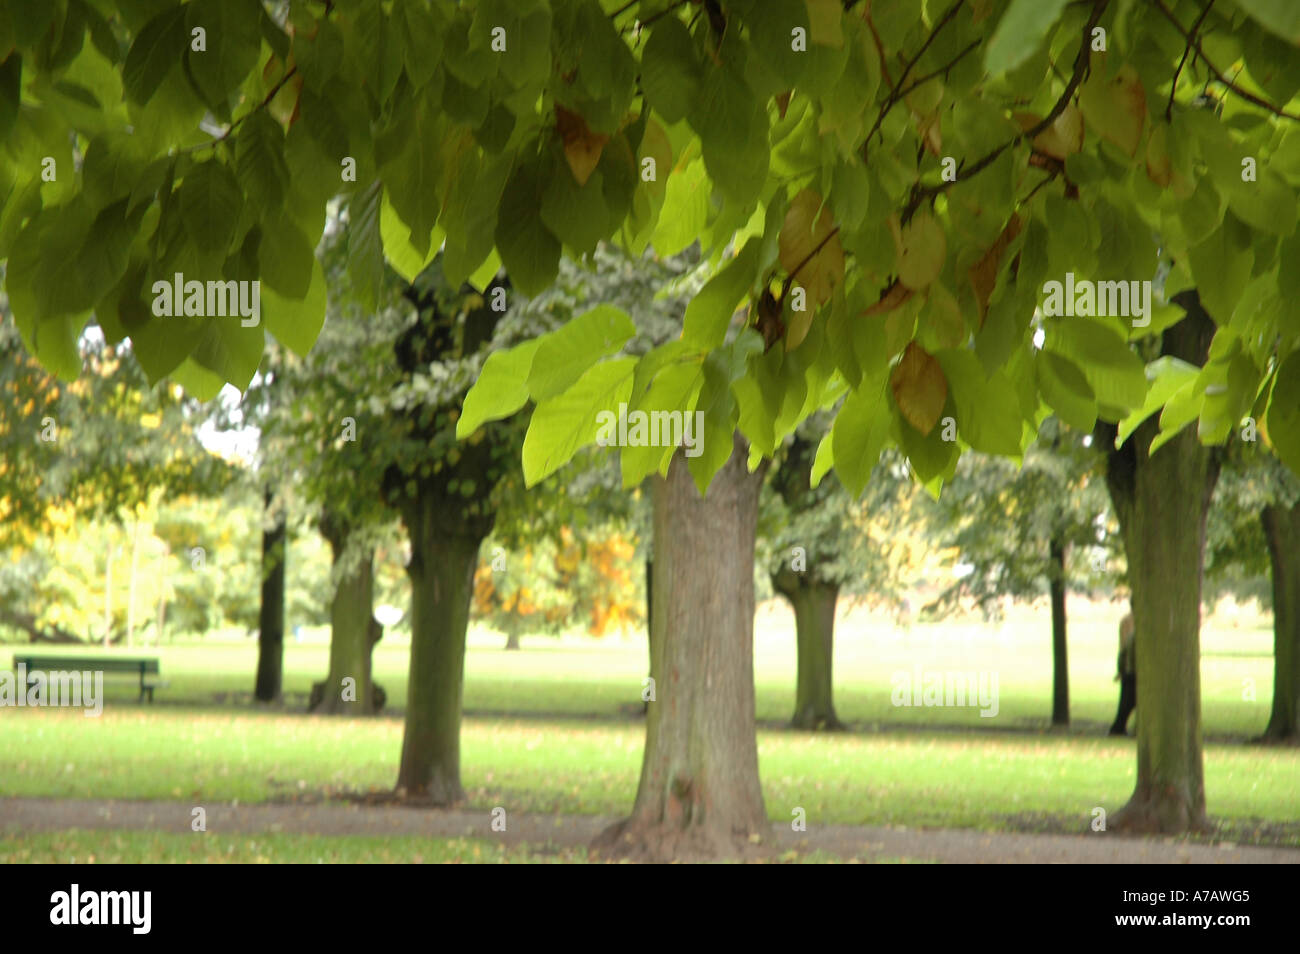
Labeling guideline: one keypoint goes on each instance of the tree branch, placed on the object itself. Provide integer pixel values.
(1218, 74)
(1191, 39)
(921, 193)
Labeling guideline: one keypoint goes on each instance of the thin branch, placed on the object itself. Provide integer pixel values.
(920, 194)
(258, 108)
(1191, 38)
(942, 70)
(1247, 95)
(809, 257)
(898, 90)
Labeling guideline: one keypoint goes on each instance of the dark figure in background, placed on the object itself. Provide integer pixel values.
(1126, 676)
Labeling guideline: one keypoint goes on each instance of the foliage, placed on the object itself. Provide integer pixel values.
(508, 132)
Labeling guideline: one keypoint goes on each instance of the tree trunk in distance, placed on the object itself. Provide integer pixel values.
(108, 595)
(699, 793)
(1060, 659)
(814, 621)
(512, 640)
(1161, 500)
(445, 543)
(352, 626)
(130, 585)
(649, 623)
(1282, 531)
(270, 619)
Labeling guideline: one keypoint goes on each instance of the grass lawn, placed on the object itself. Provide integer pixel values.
(547, 731)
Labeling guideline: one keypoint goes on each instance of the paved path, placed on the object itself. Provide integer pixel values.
(943, 845)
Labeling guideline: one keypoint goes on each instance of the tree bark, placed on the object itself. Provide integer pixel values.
(445, 543)
(814, 622)
(699, 794)
(270, 620)
(353, 634)
(1161, 500)
(1060, 661)
(512, 640)
(1282, 532)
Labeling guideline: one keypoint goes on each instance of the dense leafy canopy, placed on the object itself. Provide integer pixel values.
(884, 188)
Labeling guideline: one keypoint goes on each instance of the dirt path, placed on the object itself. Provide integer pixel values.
(943, 845)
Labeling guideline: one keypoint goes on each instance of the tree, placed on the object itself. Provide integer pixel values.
(821, 543)
(878, 195)
(1014, 527)
(1253, 525)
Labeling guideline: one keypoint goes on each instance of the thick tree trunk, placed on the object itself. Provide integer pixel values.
(444, 554)
(699, 794)
(512, 640)
(270, 620)
(1161, 500)
(814, 622)
(353, 634)
(1282, 531)
(1060, 661)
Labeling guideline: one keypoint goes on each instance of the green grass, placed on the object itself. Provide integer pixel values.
(565, 746)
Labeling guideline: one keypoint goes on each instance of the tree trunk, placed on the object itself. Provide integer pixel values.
(699, 794)
(1060, 662)
(162, 597)
(649, 622)
(108, 595)
(445, 544)
(1282, 531)
(131, 581)
(1161, 500)
(814, 622)
(353, 632)
(512, 640)
(270, 620)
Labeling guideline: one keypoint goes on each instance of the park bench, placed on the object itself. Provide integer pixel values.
(105, 664)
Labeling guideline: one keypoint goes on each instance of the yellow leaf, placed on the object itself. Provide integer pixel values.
(1061, 139)
(582, 147)
(1117, 108)
(922, 247)
(811, 253)
(920, 389)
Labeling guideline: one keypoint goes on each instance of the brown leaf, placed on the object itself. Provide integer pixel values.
(984, 273)
(920, 389)
(1061, 139)
(891, 298)
(811, 253)
(582, 147)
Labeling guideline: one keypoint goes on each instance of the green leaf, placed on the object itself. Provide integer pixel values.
(670, 71)
(673, 390)
(857, 437)
(501, 388)
(565, 354)
(406, 260)
(259, 161)
(365, 245)
(1066, 391)
(199, 382)
(771, 24)
(285, 257)
(577, 215)
(1221, 266)
(1116, 373)
(715, 441)
(568, 421)
(988, 412)
(1167, 375)
(1283, 417)
(709, 313)
(159, 46)
(1282, 17)
(1020, 33)
(233, 41)
(229, 349)
(528, 249)
(210, 204)
(685, 210)
(296, 322)
(411, 166)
